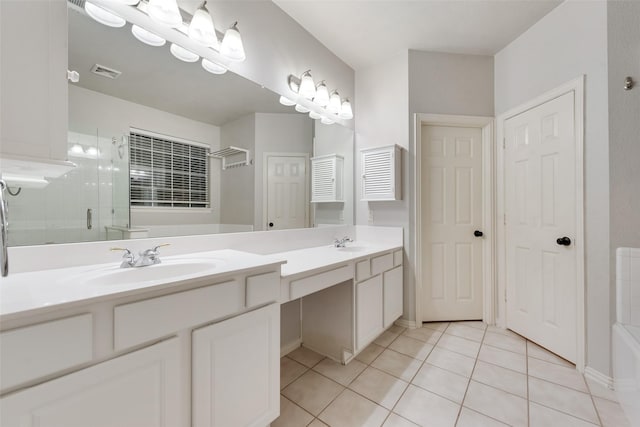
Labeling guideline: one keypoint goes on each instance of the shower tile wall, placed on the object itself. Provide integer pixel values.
(628, 285)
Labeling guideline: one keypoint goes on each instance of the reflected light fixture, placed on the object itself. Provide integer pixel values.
(307, 87)
(302, 109)
(212, 67)
(201, 28)
(183, 54)
(326, 121)
(129, 2)
(314, 115)
(322, 95)
(335, 103)
(165, 12)
(147, 37)
(286, 101)
(103, 16)
(232, 46)
(346, 112)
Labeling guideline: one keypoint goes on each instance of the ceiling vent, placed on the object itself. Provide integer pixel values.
(107, 72)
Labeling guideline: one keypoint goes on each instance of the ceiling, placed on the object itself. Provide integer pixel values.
(365, 32)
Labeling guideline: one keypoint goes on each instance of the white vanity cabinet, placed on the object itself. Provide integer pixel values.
(137, 389)
(369, 302)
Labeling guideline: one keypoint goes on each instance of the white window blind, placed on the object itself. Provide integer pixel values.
(167, 173)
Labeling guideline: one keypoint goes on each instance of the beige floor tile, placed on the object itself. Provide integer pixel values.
(370, 353)
(395, 420)
(442, 382)
(541, 416)
(534, 350)
(380, 387)
(437, 326)
(291, 415)
(464, 331)
(459, 345)
(611, 413)
(305, 356)
(504, 379)
(451, 361)
(411, 347)
(290, 370)
(353, 410)
(506, 342)
(317, 423)
(470, 418)
(427, 409)
(503, 358)
(563, 399)
(396, 364)
(312, 392)
(562, 375)
(479, 324)
(598, 390)
(427, 335)
(499, 330)
(342, 374)
(396, 329)
(386, 338)
(497, 404)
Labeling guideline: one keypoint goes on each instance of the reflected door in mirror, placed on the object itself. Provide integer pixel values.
(287, 196)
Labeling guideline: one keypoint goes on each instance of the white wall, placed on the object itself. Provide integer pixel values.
(568, 42)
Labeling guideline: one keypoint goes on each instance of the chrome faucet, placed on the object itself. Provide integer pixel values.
(146, 257)
(340, 243)
(4, 229)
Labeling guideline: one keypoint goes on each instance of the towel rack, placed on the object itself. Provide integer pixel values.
(231, 151)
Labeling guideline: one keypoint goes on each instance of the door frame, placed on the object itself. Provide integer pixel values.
(576, 86)
(486, 124)
(265, 185)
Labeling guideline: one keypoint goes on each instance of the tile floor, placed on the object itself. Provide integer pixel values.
(443, 374)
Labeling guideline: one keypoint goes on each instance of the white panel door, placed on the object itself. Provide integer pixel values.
(134, 390)
(236, 370)
(451, 209)
(540, 207)
(287, 195)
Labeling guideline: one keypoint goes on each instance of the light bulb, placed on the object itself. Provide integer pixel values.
(286, 101)
(103, 16)
(231, 46)
(307, 87)
(165, 12)
(314, 115)
(147, 37)
(128, 2)
(335, 103)
(183, 54)
(212, 67)
(76, 149)
(302, 109)
(201, 28)
(346, 112)
(322, 95)
(326, 121)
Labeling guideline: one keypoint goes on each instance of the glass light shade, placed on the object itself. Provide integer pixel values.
(76, 149)
(335, 103)
(165, 12)
(346, 112)
(326, 121)
(201, 28)
(128, 2)
(212, 67)
(232, 46)
(322, 95)
(314, 115)
(286, 101)
(103, 16)
(147, 37)
(302, 109)
(183, 54)
(307, 87)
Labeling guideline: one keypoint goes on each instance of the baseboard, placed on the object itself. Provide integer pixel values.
(599, 377)
(288, 348)
(411, 324)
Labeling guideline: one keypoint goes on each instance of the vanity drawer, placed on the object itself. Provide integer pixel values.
(381, 263)
(143, 321)
(363, 270)
(39, 350)
(263, 288)
(311, 284)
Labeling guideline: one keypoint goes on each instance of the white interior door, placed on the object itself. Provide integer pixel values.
(540, 208)
(452, 264)
(287, 196)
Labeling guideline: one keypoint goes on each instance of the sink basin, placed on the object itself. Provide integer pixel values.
(352, 249)
(165, 271)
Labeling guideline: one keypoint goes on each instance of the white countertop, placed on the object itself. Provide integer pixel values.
(46, 290)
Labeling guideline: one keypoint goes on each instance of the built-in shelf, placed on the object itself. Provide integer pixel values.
(232, 152)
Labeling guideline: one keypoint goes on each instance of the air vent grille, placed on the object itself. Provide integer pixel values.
(107, 72)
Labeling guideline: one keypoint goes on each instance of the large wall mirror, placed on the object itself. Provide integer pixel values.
(166, 148)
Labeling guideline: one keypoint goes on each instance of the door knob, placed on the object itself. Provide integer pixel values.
(478, 233)
(564, 241)
(270, 224)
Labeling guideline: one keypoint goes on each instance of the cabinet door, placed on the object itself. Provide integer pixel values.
(236, 371)
(381, 173)
(368, 310)
(393, 296)
(137, 389)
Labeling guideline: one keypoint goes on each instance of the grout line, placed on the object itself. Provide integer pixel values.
(475, 363)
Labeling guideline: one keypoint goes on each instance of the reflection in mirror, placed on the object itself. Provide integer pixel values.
(166, 148)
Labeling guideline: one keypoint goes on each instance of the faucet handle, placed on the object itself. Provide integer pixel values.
(126, 251)
(155, 248)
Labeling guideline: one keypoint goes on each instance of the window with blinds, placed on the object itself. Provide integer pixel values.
(166, 173)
